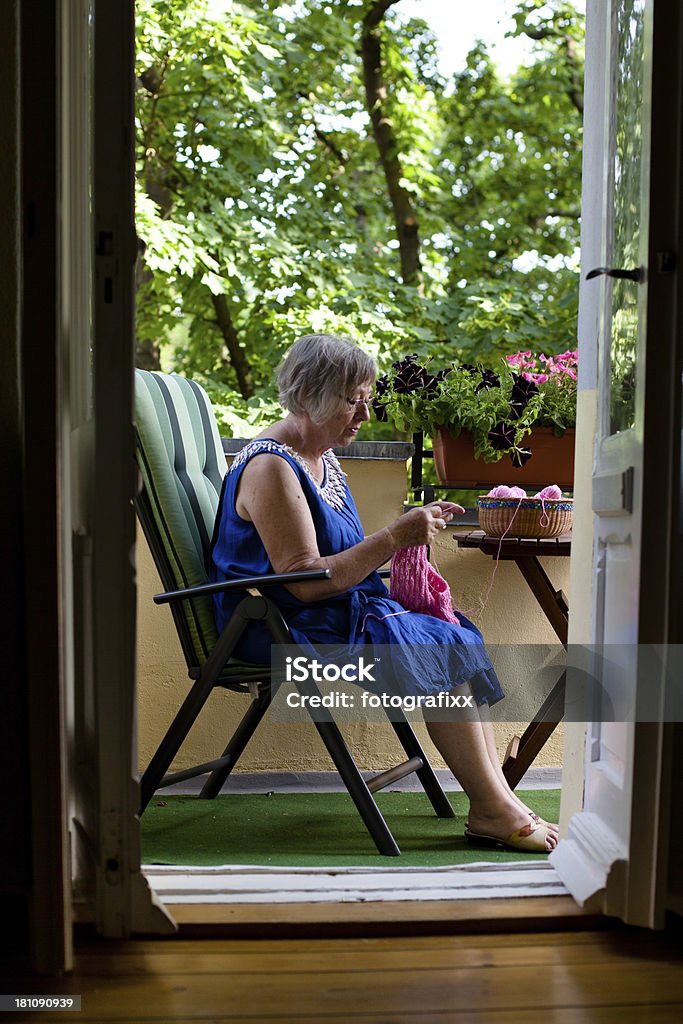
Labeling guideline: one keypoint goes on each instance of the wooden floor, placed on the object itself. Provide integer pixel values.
(619, 976)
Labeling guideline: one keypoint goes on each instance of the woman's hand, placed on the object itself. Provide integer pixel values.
(270, 496)
(421, 525)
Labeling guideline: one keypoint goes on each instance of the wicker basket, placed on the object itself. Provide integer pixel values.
(529, 517)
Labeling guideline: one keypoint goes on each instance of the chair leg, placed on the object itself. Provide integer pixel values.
(173, 740)
(343, 761)
(192, 705)
(413, 748)
(243, 733)
(357, 788)
(341, 756)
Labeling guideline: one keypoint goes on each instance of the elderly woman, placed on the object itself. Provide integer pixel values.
(286, 507)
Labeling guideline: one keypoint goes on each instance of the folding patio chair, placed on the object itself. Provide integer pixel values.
(182, 465)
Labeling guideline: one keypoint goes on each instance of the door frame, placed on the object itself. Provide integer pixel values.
(630, 881)
(123, 903)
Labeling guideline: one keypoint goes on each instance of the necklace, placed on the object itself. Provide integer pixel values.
(332, 490)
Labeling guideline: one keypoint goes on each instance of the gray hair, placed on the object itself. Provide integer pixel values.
(317, 370)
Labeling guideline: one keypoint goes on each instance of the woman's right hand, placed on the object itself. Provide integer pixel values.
(421, 525)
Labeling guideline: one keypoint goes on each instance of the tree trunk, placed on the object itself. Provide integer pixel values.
(405, 217)
(147, 356)
(155, 186)
(147, 351)
(238, 360)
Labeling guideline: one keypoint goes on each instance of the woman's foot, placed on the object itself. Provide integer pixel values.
(534, 837)
(513, 825)
(489, 737)
(536, 817)
(553, 826)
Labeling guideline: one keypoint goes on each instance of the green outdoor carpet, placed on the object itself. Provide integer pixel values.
(315, 830)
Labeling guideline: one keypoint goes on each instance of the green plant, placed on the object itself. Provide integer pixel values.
(308, 166)
(498, 405)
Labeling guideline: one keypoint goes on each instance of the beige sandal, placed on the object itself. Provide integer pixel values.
(529, 839)
(552, 825)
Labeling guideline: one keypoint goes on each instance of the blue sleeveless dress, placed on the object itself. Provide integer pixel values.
(428, 655)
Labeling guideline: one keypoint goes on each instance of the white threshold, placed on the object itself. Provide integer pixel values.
(246, 884)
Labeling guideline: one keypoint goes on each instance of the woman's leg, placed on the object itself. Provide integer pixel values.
(487, 726)
(494, 810)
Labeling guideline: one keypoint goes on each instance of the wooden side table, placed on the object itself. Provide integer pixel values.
(525, 552)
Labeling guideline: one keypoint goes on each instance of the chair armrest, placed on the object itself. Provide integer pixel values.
(271, 580)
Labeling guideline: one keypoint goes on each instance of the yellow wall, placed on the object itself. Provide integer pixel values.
(511, 617)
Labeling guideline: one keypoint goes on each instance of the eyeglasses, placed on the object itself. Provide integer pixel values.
(355, 403)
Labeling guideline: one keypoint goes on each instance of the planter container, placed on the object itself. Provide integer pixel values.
(552, 462)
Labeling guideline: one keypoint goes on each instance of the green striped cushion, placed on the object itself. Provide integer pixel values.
(181, 459)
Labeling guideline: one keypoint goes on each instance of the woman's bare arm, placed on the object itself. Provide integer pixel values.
(270, 496)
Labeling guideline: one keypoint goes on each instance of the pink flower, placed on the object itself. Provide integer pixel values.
(559, 367)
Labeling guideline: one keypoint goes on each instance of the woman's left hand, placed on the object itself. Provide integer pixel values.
(446, 509)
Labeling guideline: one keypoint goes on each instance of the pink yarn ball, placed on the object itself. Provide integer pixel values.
(550, 493)
(502, 491)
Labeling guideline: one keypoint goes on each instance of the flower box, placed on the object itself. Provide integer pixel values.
(519, 413)
(552, 462)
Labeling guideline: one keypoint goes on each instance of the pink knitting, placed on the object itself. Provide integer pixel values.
(419, 587)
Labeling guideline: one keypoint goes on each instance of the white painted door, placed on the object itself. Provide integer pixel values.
(613, 857)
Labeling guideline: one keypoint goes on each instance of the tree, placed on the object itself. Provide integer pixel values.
(307, 167)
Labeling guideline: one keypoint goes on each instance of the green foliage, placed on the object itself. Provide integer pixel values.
(259, 185)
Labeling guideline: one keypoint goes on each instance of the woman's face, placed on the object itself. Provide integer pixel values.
(345, 422)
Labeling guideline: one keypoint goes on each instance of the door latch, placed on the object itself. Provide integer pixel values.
(636, 274)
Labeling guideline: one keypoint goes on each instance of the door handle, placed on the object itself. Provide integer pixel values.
(637, 274)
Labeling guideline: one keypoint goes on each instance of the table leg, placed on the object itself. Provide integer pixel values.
(521, 754)
(551, 602)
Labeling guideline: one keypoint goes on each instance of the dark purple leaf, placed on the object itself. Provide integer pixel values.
(379, 410)
(489, 380)
(502, 437)
(520, 456)
(411, 379)
(522, 391)
(403, 363)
